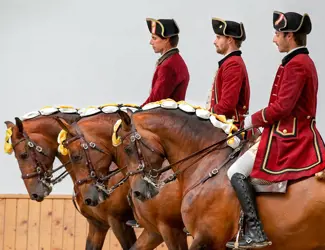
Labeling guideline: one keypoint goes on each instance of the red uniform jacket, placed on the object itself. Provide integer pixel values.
(170, 79)
(291, 146)
(230, 90)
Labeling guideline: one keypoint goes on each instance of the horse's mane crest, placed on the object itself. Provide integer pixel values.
(83, 112)
(49, 110)
(218, 121)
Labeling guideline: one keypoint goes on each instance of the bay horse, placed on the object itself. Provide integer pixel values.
(210, 210)
(37, 160)
(160, 216)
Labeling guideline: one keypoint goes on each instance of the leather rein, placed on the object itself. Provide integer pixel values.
(40, 170)
(136, 140)
(92, 175)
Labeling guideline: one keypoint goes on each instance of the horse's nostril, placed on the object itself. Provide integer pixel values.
(88, 202)
(34, 196)
(137, 193)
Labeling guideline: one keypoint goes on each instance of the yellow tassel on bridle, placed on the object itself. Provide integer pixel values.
(116, 140)
(8, 146)
(61, 138)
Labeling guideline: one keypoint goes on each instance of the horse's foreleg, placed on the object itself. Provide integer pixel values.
(124, 234)
(203, 243)
(175, 238)
(206, 241)
(147, 241)
(96, 236)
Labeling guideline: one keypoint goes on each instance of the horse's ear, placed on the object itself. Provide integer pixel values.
(126, 119)
(9, 124)
(19, 125)
(63, 124)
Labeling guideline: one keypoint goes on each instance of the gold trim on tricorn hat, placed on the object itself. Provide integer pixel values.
(229, 28)
(163, 27)
(291, 22)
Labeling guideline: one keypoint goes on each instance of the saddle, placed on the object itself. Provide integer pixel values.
(263, 186)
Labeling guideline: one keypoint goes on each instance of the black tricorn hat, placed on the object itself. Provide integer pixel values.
(291, 22)
(163, 27)
(229, 28)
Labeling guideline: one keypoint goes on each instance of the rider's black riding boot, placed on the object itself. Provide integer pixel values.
(254, 236)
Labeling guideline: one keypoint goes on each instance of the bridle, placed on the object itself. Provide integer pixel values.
(40, 170)
(92, 175)
(137, 141)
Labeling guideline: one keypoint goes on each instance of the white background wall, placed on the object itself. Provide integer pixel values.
(84, 53)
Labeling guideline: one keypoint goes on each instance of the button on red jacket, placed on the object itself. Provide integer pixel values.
(291, 146)
(231, 91)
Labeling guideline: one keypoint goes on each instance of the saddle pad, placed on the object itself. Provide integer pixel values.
(263, 186)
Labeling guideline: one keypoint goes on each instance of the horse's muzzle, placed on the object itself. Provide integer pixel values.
(91, 196)
(39, 192)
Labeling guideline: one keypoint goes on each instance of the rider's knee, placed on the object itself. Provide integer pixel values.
(243, 165)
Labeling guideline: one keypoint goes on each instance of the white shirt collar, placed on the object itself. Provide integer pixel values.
(230, 53)
(300, 47)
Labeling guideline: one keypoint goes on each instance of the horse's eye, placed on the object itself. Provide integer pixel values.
(128, 150)
(76, 158)
(24, 156)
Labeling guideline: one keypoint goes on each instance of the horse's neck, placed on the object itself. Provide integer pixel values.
(106, 128)
(69, 118)
(189, 137)
(196, 168)
(181, 137)
(65, 160)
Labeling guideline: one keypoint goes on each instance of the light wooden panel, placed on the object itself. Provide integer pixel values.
(53, 224)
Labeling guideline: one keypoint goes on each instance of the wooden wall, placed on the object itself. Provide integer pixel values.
(53, 224)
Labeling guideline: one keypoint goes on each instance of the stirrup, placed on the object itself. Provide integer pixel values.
(133, 223)
(249, 245)
(187, 232)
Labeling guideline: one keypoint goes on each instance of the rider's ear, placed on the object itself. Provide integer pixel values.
(63, 124)
(126, 119)
(19, 125)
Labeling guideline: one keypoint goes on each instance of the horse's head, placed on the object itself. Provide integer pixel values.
(89, 156)
(184, 138)
(35, 152)
(143, 152)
